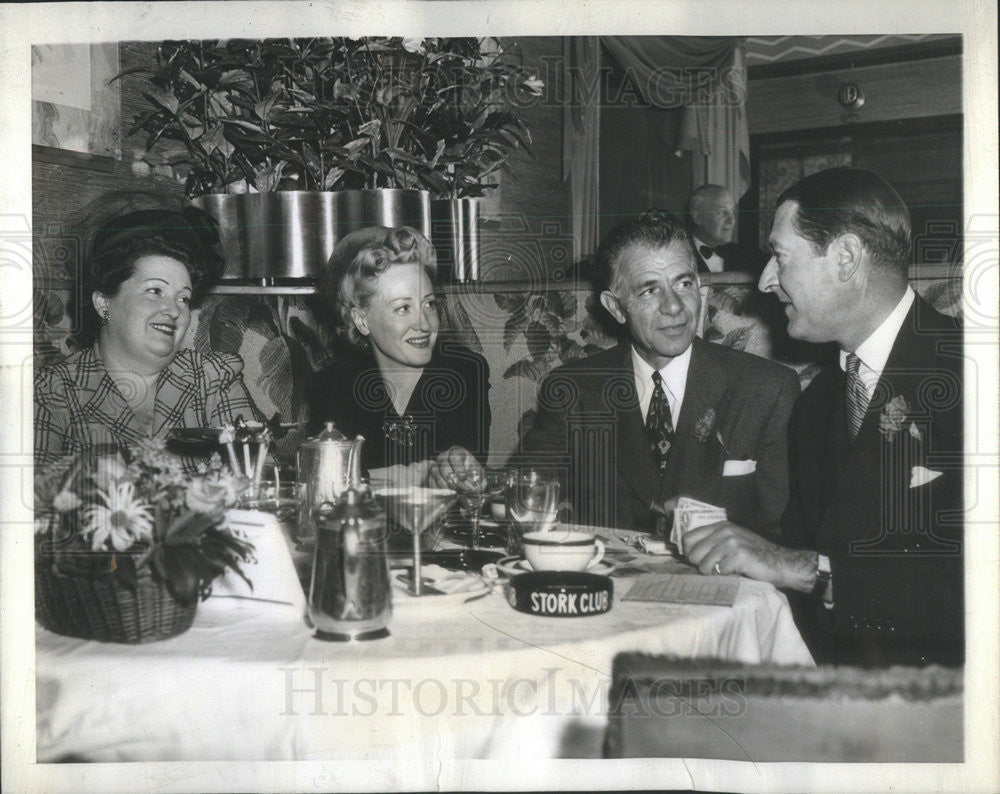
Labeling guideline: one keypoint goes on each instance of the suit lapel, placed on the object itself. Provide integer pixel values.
(863, 480)
(634, 458)
(692, 461)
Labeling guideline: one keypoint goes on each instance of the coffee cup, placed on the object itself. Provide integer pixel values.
(562, 550)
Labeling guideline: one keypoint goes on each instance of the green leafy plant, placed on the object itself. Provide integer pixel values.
(336, 113)
(100, 514)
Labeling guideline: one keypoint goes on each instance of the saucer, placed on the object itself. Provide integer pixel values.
(513, 566)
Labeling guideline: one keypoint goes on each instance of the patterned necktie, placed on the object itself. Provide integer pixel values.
(857, 396)
(659, 427)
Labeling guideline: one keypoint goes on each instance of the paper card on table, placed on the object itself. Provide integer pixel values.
(270, 567)
(679, 588)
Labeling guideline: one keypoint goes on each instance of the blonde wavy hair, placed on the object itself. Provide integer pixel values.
(359, 260)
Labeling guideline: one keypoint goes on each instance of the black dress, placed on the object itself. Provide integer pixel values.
(449, 407)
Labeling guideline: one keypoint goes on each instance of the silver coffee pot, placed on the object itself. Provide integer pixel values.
(350, 597)
(328, 464)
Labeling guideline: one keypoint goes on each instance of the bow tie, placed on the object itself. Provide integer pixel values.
(706, 252)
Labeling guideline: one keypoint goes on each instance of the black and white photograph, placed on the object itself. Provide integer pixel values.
(451, 395)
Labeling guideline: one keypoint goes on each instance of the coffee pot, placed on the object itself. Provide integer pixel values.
(327, 465)
(350, 596)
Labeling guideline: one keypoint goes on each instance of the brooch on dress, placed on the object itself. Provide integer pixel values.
(401, 431)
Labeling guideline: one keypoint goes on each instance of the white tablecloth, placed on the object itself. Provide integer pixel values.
(454, 680)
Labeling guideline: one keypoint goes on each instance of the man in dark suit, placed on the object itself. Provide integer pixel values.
(873, 532)
(663, 414)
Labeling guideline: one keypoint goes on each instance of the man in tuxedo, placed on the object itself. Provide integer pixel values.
(663, 414)
(872, 538)
(712, 211)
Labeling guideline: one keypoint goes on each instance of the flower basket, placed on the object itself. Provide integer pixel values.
(105, 609)
(126, 542)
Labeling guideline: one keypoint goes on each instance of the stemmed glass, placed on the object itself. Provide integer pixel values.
(532, 505)
(474, 488)
(415, 509)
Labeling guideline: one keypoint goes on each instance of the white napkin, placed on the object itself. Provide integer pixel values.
(449, 582)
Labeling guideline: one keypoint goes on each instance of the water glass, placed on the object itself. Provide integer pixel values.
(282, 501)
(532, 501)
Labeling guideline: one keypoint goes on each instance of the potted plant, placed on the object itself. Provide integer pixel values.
(333, 114)
(125, 547)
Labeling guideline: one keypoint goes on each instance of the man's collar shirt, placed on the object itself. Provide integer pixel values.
(674, 376)
(874, 351)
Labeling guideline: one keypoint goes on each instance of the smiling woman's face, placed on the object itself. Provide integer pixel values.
(149, 315)
(401, 322)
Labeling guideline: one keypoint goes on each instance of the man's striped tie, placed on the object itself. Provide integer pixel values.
(857, 396)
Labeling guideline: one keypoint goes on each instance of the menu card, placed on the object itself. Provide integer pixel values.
(680, 588)
(270, 567)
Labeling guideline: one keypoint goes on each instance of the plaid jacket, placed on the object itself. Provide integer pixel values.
(78, 405)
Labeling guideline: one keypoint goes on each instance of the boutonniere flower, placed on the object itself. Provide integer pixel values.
(895, 417)
(703, 427)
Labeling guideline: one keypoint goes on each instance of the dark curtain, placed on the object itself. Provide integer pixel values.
(703, 75)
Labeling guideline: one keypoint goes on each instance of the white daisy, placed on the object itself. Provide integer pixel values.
(122, 519)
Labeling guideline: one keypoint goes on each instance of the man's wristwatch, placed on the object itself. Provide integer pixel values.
(824, 575)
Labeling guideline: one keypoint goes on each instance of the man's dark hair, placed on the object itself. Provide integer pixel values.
(853, 201)
(654, 228)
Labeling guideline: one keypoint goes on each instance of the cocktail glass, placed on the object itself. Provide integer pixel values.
(532, 505)
(473, 492)
(415, 509)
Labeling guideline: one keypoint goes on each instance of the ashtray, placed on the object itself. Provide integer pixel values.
(561, 594)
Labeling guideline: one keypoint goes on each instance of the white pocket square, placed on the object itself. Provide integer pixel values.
(921, 476)
(734, 468)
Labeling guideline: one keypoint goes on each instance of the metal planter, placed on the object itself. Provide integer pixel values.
(290, 234)
(455, 234)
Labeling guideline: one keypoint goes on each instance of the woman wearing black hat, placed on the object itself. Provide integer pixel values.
(133, 381)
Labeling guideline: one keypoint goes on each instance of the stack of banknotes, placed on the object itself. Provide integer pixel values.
(691, 513)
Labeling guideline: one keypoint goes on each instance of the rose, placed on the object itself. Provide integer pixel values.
(110, 469)
(65, 501)
(204, 496)
(893, 417)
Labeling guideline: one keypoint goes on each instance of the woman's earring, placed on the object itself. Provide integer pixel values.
(105, 315)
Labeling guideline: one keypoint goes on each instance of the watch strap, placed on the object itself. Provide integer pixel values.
(824, 575)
